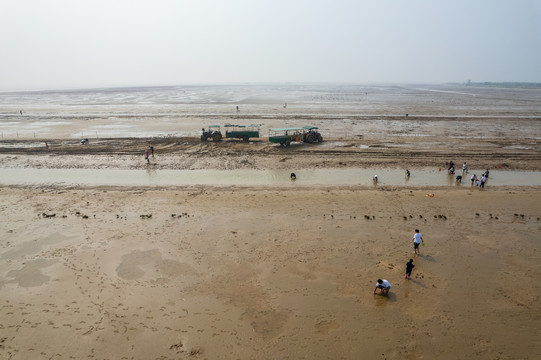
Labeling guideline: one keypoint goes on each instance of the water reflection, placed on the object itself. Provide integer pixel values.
(151, 172)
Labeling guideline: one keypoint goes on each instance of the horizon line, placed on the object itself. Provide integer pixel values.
(267, 83)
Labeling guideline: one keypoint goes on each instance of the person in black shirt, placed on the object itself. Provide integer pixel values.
(409, 267)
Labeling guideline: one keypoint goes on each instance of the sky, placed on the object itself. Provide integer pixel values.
(57, 44)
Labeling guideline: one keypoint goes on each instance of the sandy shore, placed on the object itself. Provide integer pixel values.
(222, 274)
(264, 273)
(261, 272)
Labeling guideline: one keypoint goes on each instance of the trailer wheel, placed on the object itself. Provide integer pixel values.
(245, 138)
(288, 142)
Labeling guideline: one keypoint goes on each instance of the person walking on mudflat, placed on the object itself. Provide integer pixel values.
(409, 268)
(146, 156)
(417, 240)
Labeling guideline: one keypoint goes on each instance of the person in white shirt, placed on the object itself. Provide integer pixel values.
(482, 183)
(383, 285)
(417, 240)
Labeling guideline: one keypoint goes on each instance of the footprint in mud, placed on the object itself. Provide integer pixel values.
(325, 326)
(177, 347)
(385, 264)
(180, 348)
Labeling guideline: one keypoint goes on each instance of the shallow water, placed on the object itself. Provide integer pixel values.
(280, 178)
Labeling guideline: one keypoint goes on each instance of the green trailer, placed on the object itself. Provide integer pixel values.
(284, 136)
(244, 132)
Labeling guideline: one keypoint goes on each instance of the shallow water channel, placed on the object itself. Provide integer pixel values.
(242, 177)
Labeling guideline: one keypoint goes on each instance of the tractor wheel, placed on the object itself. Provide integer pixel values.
(288, 142)
(319, 138)
(203, 138)
(217, 137)
(310, 139)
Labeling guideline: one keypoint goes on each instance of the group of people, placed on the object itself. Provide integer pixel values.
(384, 285)
(479, 181)
(451, 168)
(474, 179)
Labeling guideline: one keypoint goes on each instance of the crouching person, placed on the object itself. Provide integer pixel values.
(384, 287)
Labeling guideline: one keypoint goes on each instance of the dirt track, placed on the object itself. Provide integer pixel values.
(190, 153)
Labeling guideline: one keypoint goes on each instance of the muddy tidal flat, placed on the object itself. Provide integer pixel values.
(211, 251)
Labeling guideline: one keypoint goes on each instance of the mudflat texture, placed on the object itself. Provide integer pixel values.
(262, 271)
(269, 274)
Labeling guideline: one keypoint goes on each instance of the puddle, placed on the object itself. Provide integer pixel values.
(30, 274)
(40, 144)
(35, 246)
(308, 177)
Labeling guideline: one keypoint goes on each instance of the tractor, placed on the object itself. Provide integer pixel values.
(213, 133)
(311, 135)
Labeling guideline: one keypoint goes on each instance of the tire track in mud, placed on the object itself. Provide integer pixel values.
(390, 152)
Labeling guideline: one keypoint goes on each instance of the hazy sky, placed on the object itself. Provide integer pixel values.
(75, 43)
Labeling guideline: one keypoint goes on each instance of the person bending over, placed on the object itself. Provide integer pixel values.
(384, 286)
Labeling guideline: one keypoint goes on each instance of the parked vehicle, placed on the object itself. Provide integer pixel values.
(213, 133)
(284, 136)
(244, 132)
(311, 134)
